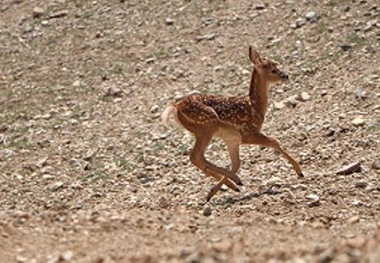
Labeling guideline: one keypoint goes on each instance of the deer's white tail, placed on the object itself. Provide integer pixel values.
(165, 117)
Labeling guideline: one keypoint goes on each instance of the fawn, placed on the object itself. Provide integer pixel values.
(237, 120)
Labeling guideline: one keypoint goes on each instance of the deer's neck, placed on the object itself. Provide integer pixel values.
(258, 95)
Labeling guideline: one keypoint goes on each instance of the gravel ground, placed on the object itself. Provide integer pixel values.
(89, 174)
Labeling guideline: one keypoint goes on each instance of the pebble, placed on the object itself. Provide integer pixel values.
(279, 105)
(361, 184)
(38, 12)
(300, 22)
(310, 15)
(57, 186)
(304, 96)
(358, 121)
(207, 211)
(357, 242)
(66, 256)
(350, 168)
(169, 21)
(375, 165)
(223, 246)
(353, 220)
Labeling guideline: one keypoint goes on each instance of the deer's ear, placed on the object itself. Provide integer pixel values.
(254, 56)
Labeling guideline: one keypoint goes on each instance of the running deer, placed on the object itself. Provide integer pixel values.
(237, 120)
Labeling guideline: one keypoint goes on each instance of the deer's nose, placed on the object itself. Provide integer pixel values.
(284, 76)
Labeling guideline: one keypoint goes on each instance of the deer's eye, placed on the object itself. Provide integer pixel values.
(273, 71)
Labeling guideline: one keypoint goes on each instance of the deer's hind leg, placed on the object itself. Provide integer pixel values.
(203, 122)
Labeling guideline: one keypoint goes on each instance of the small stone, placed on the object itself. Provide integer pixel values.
(358, 121)
(359, 93)
(66, 256)
(353, 220)
(327, 255)
(291, 102)
(375, 165)
(304, 96)
(154, 108)
(350, 168)
(222, 246)
(361, 184)
(77, 83)
(313, 197)
(310, 15)
(279, 105)
(38, 12)
(345, 47)
(169, 21)
(260, 7)
(57, 186)
(300, 22)
(21, 259)
(207, 211)
(357, 242)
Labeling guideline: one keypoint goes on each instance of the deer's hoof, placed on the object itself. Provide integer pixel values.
(301, 175)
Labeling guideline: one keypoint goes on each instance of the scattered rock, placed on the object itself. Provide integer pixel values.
(311, 15)
(222, 246)
(345, 47)
(350, 168)
(207, 211)
(38, 12)
(279, 105)
(299, 22)
(304, 96)
(291, 102)
(361, 184)
(56, 186)
(375, 165)
(169, 21)
(206, 37)
(59, 14)
(358, 121)
(353, 220)
(66, 256)
(357, 242)
(260, 6)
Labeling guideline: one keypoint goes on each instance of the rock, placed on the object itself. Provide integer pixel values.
(350, 168)
(38, 12)
(304, 96)
(21, 259)
(66, 256)
(313, 197)
(311, 15)
(169, 21)
(279, 105)
(222, 246)
(353, 220)
(361, 184)
(375, 165)
(291, 102)
(359, 93)
(345, 47)
(56, 186)
(206, 37)
(260, 7)
(207, 211)
(154, 108)
(357, 242)
(358, 121)
(327, 255)
(299, 22)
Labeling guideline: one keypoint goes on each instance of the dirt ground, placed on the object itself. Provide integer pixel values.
(89, 174)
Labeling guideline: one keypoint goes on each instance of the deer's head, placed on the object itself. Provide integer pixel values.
(267, 68)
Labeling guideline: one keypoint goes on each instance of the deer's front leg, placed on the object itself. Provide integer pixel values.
(263, 140)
